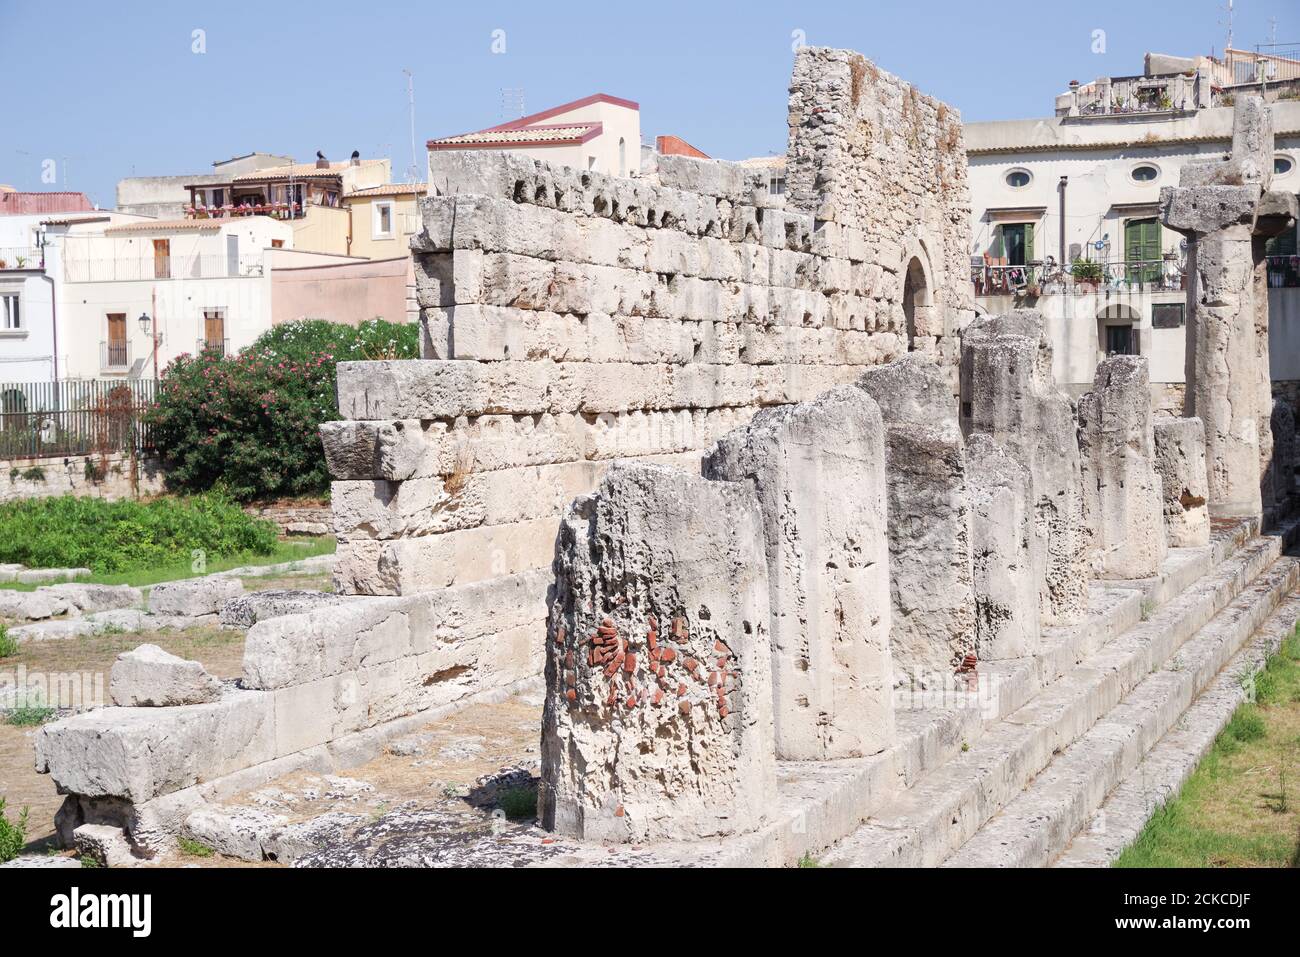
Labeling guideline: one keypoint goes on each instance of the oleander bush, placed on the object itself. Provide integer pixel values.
(71, 532)
(250, 423)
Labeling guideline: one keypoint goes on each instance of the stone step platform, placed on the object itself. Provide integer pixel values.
(1167, 766)
(1037, 824)
(820, 803)
(932, 818)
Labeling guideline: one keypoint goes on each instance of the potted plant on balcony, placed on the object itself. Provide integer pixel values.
(1086, 274)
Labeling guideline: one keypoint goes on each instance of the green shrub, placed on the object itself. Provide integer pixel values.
(193, 848)
(12, 836)
(250, 423)
(71, 532)
(8, 643)
(518, 803)
(1085, 271)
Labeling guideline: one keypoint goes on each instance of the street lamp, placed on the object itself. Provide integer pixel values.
(144, 322)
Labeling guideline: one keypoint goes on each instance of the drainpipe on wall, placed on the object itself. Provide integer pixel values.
(54, 325)
(1064, 262)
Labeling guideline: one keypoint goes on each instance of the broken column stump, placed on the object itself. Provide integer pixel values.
(933, 627)
(1122, 502)
(818, 469)
(1180, 460)
(658, 714)
(1002, 534)
(1008, 391)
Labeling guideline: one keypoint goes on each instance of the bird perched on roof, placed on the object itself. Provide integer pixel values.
(356, 154)
(320, 155)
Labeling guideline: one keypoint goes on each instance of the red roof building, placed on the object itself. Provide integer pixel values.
(16, 203)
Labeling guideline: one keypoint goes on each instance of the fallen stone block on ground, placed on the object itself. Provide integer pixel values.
(191, 597)
(248, 609)
(149, 677)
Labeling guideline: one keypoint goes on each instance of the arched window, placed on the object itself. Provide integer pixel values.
(916, 297)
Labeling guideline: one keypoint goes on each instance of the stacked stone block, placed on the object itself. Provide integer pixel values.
(933, 625)
(818, 469)
(1006, 582)
(1008, 392)
(572, 319)
(658, 714)
(1123, 503)
(1226, 210)
(1180, 462)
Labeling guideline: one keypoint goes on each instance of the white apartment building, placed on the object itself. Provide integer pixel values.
(1065, 216)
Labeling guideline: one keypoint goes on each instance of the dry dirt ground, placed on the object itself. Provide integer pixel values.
(460, 790)
(219, 650)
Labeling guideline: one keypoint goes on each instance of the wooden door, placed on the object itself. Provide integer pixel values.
(115, 348)
(214, 330)
(162, 259)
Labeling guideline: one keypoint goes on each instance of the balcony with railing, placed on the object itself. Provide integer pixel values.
(115, 355)
(216, 347)
(150, 267)
(1037, 278)
(1137, 95)
(21, 257)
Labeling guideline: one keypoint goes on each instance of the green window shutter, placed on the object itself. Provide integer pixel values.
(1142, 244)
(1029, 242)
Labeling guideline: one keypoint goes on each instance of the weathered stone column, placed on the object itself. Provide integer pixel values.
(658, 715)
(929, 520)
(1009, 393)
(1180, 461)
(1002, 535)
(1283, 421)
(818, 469)
(1123, 506)
(1224, 209)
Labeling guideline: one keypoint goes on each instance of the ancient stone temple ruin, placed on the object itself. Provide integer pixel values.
(810, 560)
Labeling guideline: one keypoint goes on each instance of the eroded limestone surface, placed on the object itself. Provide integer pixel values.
(818, 469)
(658, 716)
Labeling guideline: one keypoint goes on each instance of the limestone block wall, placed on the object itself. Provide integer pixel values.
(571, 319)
(871, 153)
(90, 476)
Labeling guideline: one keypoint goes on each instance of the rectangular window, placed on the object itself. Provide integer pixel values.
(1015, 243)
(1142, 252)
(383, 224)
(1167, 315)
(10, 314)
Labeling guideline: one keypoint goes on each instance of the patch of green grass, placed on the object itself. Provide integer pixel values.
(1235, 809)
(30, 715)
(194, 848)
(125, 536)
(12, 835)
(86, 861)
(808, 860)
(8, 643)
(518, 803)
(281, 553)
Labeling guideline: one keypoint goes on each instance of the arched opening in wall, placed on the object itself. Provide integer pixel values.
(622, 157)
(916, 300)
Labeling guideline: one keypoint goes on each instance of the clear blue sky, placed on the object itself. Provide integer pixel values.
(115, 89)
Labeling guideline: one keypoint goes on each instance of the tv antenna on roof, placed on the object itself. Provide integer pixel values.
(512, 102)
(413, 171)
